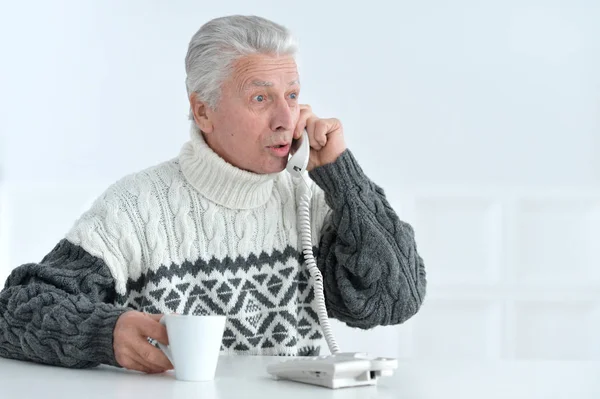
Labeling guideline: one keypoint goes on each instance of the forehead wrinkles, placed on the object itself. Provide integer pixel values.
(247, 70)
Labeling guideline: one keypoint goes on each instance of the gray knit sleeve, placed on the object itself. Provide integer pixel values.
(58, 311)
(372, 272)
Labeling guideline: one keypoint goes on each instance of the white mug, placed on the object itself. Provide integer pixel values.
(194, 345)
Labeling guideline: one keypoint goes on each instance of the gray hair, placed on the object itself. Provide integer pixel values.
(221, 41)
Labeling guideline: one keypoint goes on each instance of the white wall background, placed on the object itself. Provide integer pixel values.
(479, 118)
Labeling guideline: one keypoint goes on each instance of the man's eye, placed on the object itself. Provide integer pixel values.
(260, 98)
(294, 96)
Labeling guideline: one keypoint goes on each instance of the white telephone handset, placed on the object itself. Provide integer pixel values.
(339, 369)
(298, 161)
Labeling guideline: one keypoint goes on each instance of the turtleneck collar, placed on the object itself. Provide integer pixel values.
(220, 181)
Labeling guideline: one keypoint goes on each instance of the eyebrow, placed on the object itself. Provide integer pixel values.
(263, 83)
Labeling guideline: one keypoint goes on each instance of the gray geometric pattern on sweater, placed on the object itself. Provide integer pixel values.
(254, 293)
(59, 311)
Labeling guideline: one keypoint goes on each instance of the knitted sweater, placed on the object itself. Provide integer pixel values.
(196, 235)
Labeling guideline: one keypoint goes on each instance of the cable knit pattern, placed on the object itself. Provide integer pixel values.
(58, 311)
(196, 235)
(373, 272)
(205, 250)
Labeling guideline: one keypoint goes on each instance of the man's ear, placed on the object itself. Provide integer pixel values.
(200, 111)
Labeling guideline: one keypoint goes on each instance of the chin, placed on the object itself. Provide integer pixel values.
(275, 168)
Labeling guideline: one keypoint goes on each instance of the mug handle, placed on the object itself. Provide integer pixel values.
(165, 348)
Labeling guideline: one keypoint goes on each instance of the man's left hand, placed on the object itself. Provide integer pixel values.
(326, 137)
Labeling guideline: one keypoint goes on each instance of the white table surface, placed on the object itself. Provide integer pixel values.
(246, 376)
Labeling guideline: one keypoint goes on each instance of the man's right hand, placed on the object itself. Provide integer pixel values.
(131, 346)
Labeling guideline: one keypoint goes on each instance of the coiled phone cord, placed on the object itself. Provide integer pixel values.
(315, 273)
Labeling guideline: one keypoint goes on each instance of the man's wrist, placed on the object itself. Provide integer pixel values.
(337, 177)
(104, 334)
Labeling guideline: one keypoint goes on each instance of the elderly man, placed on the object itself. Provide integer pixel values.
(214, 230)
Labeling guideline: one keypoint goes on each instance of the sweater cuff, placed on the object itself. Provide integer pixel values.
(338, 177)
(102, 336)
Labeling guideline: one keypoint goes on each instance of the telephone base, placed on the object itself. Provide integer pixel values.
(341, 370)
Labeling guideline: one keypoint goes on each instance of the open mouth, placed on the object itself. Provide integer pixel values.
(280, 150)
(278, 146)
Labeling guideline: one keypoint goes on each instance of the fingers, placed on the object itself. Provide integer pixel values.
(133, 365)
(306, 121)
(317, 128)
(132, 361)
(130, 342)
(150, 356)
(305, 113)
(143, 356)
(299, 127)
(310, 128)
(151, 327)
(155, 317)
(320, 130)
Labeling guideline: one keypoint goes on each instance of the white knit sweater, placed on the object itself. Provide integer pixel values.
(196, 235)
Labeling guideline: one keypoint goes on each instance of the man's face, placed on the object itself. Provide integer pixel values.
(257, 113)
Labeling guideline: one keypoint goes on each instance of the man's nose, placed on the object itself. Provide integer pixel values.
(283, 118)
